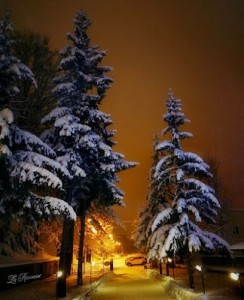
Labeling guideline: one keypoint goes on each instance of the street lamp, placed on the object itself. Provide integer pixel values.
(167, 266)
(59, 274)
(236, 277)
(60, 286)
(200, 269)
(160, 267)
(170, 260)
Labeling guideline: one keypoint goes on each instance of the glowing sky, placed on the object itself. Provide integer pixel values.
(195, 47)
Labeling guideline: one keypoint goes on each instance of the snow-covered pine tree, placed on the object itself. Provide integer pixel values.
(31, 105)
(28, 161)
(191, 202)
(153, 205)
(12, 70)
(80, 135)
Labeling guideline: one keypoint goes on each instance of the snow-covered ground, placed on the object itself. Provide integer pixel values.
(150, 283)
(138, 283)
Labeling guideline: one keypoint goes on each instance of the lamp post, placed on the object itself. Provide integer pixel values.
(111, 263)
(236, 277)
(167, 266)
(170, 260)
(160, 267)
(200, 269)
(60, 288)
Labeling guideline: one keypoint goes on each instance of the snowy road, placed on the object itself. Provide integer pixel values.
(127, 283)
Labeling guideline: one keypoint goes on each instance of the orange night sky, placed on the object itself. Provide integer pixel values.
(195, 47)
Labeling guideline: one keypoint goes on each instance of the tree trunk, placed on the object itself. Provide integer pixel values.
(66, 252)
(81, 243)
(190, 270)
(69, 248)
(65, 259)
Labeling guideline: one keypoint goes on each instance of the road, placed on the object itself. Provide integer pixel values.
(127, 283)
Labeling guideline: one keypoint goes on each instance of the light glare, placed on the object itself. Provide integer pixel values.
(199, 268)
(59, 274)
(234, 276)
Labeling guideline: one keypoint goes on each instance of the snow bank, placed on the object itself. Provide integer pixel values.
(170, 286)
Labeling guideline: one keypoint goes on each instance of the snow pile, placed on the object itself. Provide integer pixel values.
(170, 286)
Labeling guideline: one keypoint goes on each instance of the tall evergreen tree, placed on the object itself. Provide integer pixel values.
(12, 70)
(80, 135)
(190, 200)
(32, 104)
(28, 162)
(153, 205)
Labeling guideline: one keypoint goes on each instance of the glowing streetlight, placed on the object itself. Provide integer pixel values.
(200, 269)
(170, 260)
(59, 274)
(60, 284)
(236, 277)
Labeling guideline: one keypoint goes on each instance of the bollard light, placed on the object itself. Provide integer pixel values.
(234, 276)
(59, 274)
(60, 284)
(200, 269)
(237, 277)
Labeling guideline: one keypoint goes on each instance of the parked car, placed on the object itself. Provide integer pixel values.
(135, 260)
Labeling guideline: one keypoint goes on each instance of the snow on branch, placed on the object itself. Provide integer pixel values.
(194, 242)
(41, 161)
(26, 172)
(31, 141)
(58, 206)
(4, 149)
(166, 145)
(162, 164)
(199, 185)
(6, 118)
(77, 171)
(183, 135)
(175, 233)
(195, 211)
(68, 125)
(195, 168)
(49, 206)
(193, 157)
(6, 115)
(162, 217)
(56, 113)
(217, 241)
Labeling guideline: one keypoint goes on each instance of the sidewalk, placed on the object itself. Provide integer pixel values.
(46, 289)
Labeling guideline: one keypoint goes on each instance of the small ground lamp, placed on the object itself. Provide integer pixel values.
(170, 260)
(200, 269)
(160, 267)
(236, 277)
(60, 286)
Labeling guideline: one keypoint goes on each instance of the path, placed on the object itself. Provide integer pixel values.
(127, 283)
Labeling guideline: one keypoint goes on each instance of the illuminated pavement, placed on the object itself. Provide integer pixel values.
(128, 283)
